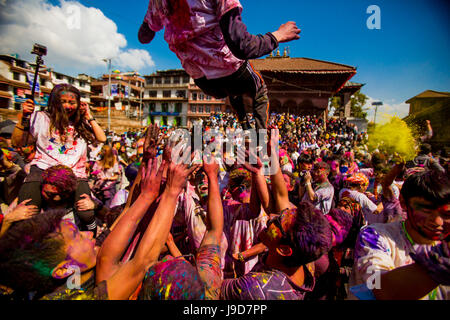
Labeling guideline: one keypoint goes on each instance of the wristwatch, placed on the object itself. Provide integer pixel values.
(91, 119)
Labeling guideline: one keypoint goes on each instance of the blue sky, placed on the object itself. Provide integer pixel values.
(408, 55)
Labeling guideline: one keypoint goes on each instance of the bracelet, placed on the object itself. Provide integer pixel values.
(91, 119)
(241, 257)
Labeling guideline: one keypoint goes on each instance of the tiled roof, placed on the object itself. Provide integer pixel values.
(431, 94)
(300, 65)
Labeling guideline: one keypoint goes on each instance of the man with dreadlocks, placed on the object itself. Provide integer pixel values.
(214, 47)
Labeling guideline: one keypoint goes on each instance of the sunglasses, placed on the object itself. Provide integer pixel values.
(277, 221)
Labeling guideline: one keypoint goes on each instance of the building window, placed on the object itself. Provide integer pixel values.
(207, 109)
(186, 79)
(167, 93)
(152, 93)
(167, 80)
(152, 107)
(82, 84)
(16, 76)
(158, 80)
(176, 80)
(17, 106)
(200, 109)
(208, 97)
(202, 96)
(177, 121)
(181, 94)
(194, 109)
(165, 107)
(42, 82)
(194, 96)
(164, 121)
(59, 77)
(178, 107)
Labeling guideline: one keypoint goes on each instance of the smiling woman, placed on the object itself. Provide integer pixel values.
(61, 135)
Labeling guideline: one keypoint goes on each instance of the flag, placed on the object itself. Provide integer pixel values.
(30, 78)
(114, 90)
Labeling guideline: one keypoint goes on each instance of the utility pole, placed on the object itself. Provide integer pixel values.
(140, 102)
(109, 93)
(376, 104)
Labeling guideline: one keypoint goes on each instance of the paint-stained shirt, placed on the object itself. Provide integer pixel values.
(52, 151)
(87, 291)
(324, 197)
(195, 36)
(383, 247)
(264, 283)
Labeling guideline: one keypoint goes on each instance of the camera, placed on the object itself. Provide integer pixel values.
(301, 176)
(39, 50)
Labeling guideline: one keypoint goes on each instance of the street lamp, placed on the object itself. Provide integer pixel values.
(109, 93)
(376, 104)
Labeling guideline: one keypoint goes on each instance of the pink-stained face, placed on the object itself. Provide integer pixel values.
(69, 103)
(430, 221)
(79, 246)
(50, 193)
(241, 194)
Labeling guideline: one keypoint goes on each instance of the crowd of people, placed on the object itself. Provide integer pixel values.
(89, 215)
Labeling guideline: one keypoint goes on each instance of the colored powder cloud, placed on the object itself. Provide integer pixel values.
(394, 136)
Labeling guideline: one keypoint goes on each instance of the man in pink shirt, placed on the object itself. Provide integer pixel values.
(214, 46)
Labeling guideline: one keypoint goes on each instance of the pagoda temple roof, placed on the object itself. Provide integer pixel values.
(300, 65)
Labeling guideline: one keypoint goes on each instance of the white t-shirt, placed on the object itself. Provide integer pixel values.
(120, 198)
(51, 151)
(367, 205)
(384, 247)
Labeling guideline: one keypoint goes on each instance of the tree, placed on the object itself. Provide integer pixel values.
(357, 102)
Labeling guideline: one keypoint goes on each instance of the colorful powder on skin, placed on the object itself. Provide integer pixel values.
(393, 136)
(42, 268)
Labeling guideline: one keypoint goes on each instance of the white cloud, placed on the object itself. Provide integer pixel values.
(135, 59)
(387, 110)
(77, 37)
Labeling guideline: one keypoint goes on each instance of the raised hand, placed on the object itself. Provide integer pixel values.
(210, 166)
(287, 32)
(179, 172)
(252, 167)
(28, 107)
(151, 142)
(151, 178)
(85, 111)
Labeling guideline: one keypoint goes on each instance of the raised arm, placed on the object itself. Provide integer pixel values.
(114, 246)
(279, 189)
(98, 131)
(21, 135)
(260, 195)
(247, 46)
(214, 217)
(127, 278)
(389, 178)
